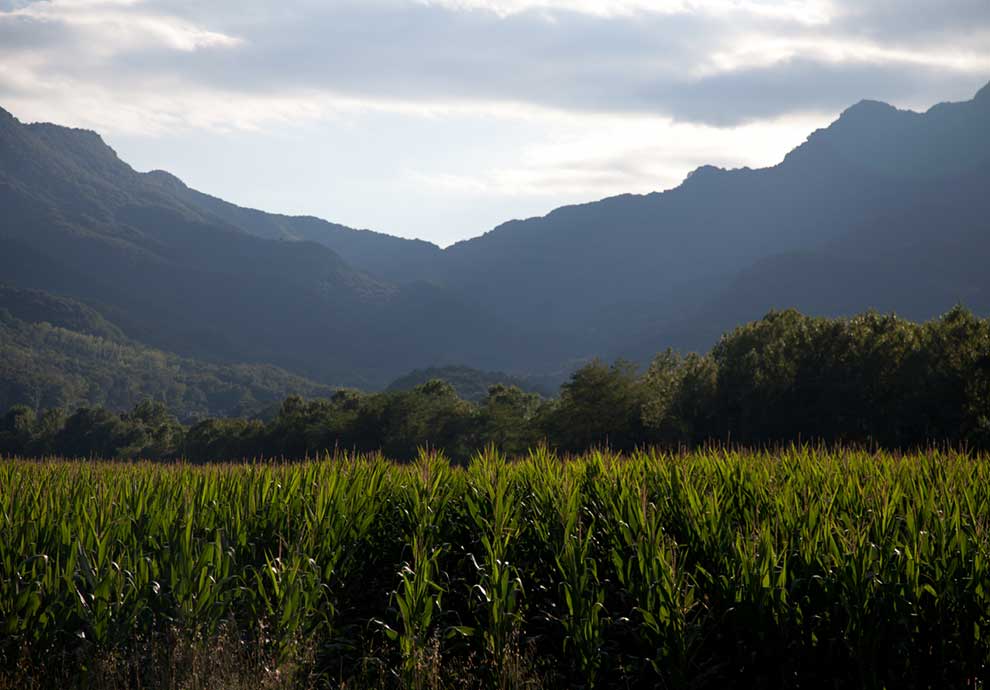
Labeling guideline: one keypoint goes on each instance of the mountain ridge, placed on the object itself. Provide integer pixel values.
(190, 273)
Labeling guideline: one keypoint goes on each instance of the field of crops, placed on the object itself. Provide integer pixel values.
(799, 568)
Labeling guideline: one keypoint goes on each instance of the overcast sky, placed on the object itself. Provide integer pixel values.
(440, 119)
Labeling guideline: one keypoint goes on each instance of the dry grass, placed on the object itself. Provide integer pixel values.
(514, 669)
(176, 661)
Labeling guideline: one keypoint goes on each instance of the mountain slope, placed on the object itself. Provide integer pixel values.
(36, 306)
(182, 279)
(56, 352)
(388, 258)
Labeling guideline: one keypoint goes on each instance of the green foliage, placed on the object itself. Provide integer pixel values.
(419, 596)
(493, 506)
(471, 384)
(510, 419)
(873, 380)
(583, 615)
(801, 568)
(45, 365)
(680, 398)
(37, 306)
(600, 405)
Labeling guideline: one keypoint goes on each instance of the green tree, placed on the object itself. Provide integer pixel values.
(508, 419)
(679, 398)
(95, 432)
(599, 405)
(430, 415)
(155, 433)
(17, 430)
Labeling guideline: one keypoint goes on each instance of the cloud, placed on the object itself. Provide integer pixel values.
(721, 62)
(809, 11)
(103, 28)
(904, 23)
(595, 156)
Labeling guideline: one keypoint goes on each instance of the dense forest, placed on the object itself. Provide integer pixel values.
(56, 352)
(872, 379)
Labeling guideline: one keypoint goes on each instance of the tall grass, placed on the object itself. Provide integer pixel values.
(799, 568)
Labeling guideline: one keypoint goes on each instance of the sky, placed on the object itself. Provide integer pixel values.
(440, 119)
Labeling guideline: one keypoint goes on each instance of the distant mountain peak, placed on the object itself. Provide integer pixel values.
(860, 123)
(866, 111)
(166, 179)
(983, 95)
(704, 172)
(81, 142)
(77, 132)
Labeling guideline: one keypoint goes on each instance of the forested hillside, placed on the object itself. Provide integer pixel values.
(37, 306)
(873, 380)
(58, 353)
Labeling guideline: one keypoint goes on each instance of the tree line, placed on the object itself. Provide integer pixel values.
(871, 379)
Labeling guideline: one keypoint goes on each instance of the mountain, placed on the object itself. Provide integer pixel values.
(388, 258)
(919, 248)
(57, 352)
(172, 271)
(879, 186)
(882, 209)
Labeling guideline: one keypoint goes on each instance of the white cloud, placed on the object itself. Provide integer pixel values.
(803, 11)
(763, 51)
(583, 157)
(111, 27)
(724, 62)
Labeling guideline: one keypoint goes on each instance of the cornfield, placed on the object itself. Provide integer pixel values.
(801, 567)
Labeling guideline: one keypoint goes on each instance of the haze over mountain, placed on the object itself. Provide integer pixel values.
(388, 258)
(884, 209)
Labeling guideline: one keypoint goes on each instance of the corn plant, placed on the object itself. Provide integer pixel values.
(800, 567)
(494, 511)
(583, 618)
(658, 591)
(419, 595)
